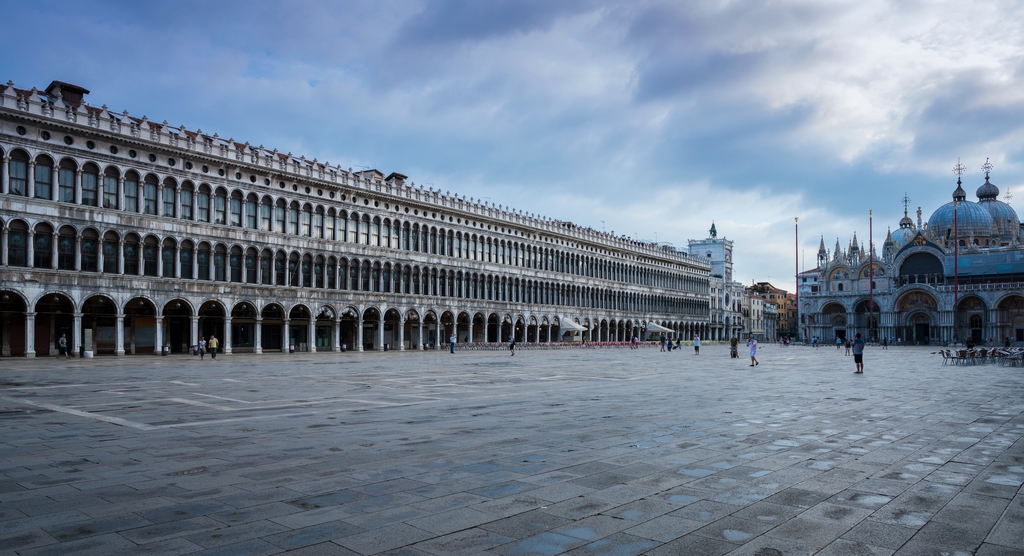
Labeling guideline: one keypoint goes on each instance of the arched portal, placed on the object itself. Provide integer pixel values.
(392, 330)
(920, 312)
(1010, 318)
(447, 325)
(99, 325)
(493, 333)
(211, 321)
(324, 332)
(12, 324)
(298, 328)
(176, 328)
(371, 324)
(463, 328)
(54, 317)
(833, 321)
(140, 327)
(272, 328)
(243, 329)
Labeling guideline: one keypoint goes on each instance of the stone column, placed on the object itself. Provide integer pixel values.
(258, 340)
(78, 186)
(5, 343)
(30, 334)
(311, 335)
(76, 330)
(119, 336)
(549, 334)
(437, 333)
(31, 179)
(120, 256)
(195, 331)
(54, 250)
(359, 334)
(159, 323)
(159, 260)
(3, 248)
(380, 334)
(336, 335)
(401, 334)
(284, 336)
(120, 193)
(31, 250)
(177, 261)
(227, 336)
(3, 182)
(195, 263)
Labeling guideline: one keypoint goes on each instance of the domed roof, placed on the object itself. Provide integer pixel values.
(903, 235)
(971, 218)
(988, 190)
(1007, 224)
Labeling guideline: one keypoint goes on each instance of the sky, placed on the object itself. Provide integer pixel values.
(650, 119)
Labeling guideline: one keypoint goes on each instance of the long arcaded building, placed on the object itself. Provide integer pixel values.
(125, 235)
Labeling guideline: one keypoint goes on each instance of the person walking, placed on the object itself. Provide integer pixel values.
(662, 342)
(669, 345)
(858, 354)
(849, 345)
(202, 347)
(734, 343)
(885, 343)
(752, 344)
(512, 344)
(451, 343)
(214, 344)
(696, 344)
(62, 346)
(839, 342)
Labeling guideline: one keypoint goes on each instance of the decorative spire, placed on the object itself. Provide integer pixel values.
(959, 194)
(888, 238)
(906, 201)
(988, 191)
(713, 233)
(986, 167)
(821, 246)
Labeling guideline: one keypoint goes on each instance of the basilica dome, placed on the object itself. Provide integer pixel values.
(1004, 218)
(971, 219)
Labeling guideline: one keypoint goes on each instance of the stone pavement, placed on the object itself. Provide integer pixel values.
(581, 452)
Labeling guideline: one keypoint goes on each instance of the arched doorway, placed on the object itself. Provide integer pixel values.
(140, 327)
(392, 330)
(970, 319)
(12, 324)
(177, 326)
(492, 333)
(371, 323)
(430, 336)
(272, 328)
(211, 321)
(99, 325)
(298, 328)
(411, 331)
(447, 326)
(867, 316)
(324, 330)
(1011, 318)
(54, 316)
(243, 329)
(834, 322)
(463, 328)
(347, 324)
(921, 313)
(532, 331)
(479, 329)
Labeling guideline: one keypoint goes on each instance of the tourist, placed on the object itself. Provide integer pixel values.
(734, 343)
(662, 342)
(885, 343)
(62, 346)
(839, 342)
(858, 354)
(849, 345)
(214, 344)
(899, 342)
(451, 343)
(202, 347)
(669, 345)
(752, 344)
(512, 344)
(696, 344)
(814, 342)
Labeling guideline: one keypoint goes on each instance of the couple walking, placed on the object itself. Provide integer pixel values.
(212, 345)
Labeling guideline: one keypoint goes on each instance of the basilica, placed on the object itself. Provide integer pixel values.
(124, 235)
(957, 277)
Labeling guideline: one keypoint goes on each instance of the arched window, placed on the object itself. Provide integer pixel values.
(293, 270)
(90, 251)
(235, 263)
(251, 263)
(90, 178)
(266, 266)
(279, 216)
(42, 248)
(307, 272)
(280, 269)
(318, 272)
(131, 192)
(17, 176)
(66, 248)
(236, 209)
(220, 264)
(203, 260)
(66, 181)
(168, 203)
(131, 255)
(293, 218)
(329, 226)
(306, 221)
(220, 207)
(187, 195)
(149, 188)
(185, 259)
(44, 178)
(167, 258)
(111, 246)
(267, 215)
(110, 188)
(149, 258)
(203, 204)
(250, 212)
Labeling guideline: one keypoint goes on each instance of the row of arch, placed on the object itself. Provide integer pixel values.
(87, 183)
(99, 323)
(64, 248)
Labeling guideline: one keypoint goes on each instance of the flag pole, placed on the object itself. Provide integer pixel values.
(871, 264)
(796, 258)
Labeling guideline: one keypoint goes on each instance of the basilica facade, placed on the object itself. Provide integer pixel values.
(958, 276)
(128, 236)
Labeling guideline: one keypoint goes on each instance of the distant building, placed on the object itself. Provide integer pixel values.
(726, 304)
(923, 293)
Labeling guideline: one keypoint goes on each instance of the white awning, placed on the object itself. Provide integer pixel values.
(654, 327)
(569, 325)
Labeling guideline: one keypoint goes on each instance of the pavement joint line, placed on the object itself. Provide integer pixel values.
(221, 398)
(86, 414)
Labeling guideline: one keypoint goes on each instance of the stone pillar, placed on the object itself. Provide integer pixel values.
(258, 341)
(120, 193)
(55, 243)
(78, 186)
(160, 261)
(120, 256)
(285, 341)
(401, 334)
(177, 261)
(3, 248)
(3, 183)
(76, 330)
(195, 263)
(31, 250)
(159, 323)
(5, 342)
(227, 336)
(419, 337)
(359, 334)
(380, 334)
(437, 333)
(32, 179)
(311, 335)
(336, 335)
(30, 334)
(119, 336)
(195, 331)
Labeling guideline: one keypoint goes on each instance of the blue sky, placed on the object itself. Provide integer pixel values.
(646, 118)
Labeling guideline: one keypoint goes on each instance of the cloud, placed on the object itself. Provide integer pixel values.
(655, 117)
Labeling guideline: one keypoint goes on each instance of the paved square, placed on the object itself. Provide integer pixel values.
(582, 452)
